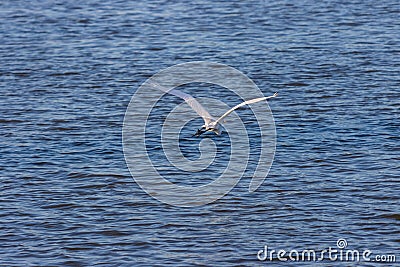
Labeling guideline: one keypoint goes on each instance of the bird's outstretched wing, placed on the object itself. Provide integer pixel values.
(255, 100)
(192, 102)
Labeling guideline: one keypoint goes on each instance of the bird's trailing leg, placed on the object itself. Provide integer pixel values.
(199, 132)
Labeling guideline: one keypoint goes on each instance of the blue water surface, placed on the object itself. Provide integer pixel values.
(69, 68)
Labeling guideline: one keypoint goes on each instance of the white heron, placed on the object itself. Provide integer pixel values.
(211, 124)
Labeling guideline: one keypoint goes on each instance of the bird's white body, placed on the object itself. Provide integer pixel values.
(210, 123)
(213, 126)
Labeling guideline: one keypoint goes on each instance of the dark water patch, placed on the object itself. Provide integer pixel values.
(95, 175)
(296, 84)
(61, 206)
(392, 216)
(79, 248)
(113, 233)
(68, 73)
(92, 186)
(12, 121)
(20, 74)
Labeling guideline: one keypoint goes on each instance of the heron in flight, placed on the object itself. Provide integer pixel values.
(211, 124)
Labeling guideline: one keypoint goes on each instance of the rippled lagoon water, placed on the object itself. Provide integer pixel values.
(68, 70)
